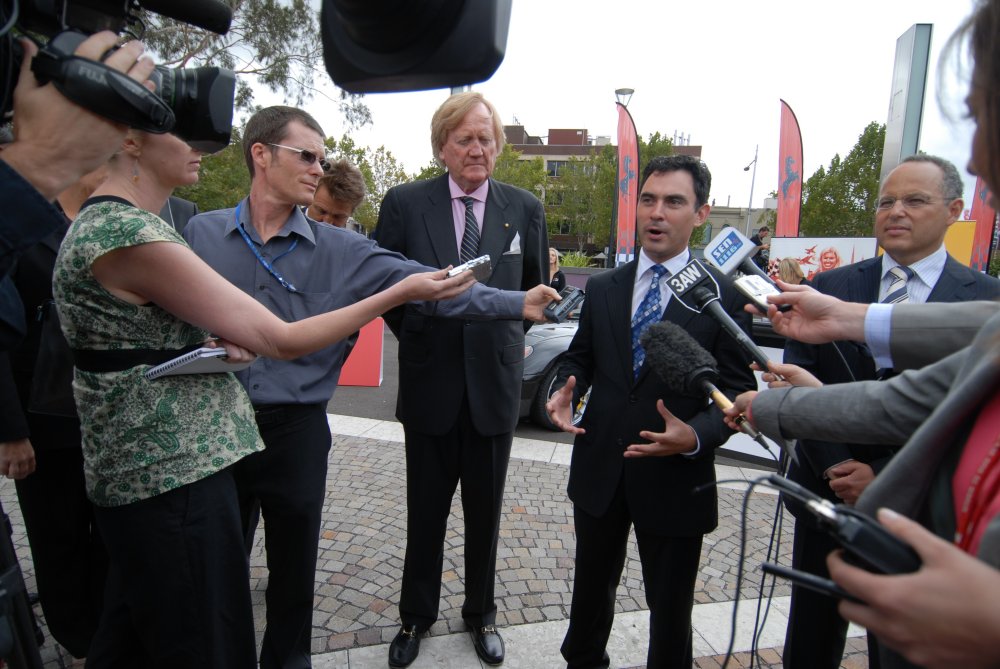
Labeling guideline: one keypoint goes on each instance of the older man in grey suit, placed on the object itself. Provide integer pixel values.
(298, 267)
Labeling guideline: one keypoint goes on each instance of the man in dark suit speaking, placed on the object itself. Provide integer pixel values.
(610, 482)
(459, 381)
(917, 203)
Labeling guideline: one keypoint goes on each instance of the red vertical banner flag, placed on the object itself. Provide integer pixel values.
(628, 186)
(985, 217)
(789, 174)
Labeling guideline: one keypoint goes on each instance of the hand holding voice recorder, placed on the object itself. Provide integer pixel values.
(571, 297)
(481, 268)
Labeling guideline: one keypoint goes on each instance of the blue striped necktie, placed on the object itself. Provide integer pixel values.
(649, 312)
(897, 292)
(470, 240)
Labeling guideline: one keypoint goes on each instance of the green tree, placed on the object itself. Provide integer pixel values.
(839, 201)
(656, 145)
(527, 174)
(225, 179)
(580, 200)
(275, 42)
(381, 170)
(428, 171)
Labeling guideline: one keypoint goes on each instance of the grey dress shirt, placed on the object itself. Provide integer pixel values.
(330, 268)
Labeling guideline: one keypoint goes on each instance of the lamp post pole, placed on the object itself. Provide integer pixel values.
(753, 178)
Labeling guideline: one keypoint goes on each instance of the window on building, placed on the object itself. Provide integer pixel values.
(555, 167)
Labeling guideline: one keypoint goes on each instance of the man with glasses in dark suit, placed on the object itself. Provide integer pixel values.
(917, 203)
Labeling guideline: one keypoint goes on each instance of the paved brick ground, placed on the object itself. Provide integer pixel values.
(363, 536)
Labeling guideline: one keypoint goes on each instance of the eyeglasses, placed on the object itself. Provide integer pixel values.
(909, 202)
(307, 156)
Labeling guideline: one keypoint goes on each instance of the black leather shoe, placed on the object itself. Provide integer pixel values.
(404, 648)
(488, 644)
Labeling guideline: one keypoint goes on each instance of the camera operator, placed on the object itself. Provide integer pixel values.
(55, 143)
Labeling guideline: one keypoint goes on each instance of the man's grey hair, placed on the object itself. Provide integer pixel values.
(951, 184)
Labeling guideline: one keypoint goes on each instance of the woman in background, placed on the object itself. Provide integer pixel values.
(130, 293)
(557, 278)
(790, 271)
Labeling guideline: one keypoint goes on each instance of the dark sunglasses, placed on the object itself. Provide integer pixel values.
(307, 156)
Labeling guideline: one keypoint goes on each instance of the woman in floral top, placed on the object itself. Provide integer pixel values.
(157, 453)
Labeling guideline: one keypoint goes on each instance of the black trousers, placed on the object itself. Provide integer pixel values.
(287, 482)
(669, 571)
(816, 633)
(434, 467)
(71, 563)
(177, 593)
(815, 636)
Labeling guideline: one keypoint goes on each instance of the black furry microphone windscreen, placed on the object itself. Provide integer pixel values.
(675, 355)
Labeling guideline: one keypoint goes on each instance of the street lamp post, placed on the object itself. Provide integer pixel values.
(753, 178)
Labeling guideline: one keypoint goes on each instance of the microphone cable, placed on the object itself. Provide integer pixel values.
(773, 549)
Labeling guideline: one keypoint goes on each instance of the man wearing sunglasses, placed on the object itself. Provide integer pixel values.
(340, 192)
(299, 267)
(917, 203)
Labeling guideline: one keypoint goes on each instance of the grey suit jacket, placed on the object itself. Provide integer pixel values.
(931, 408)
(859, 282)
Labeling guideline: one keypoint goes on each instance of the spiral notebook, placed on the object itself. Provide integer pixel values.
(199, 361)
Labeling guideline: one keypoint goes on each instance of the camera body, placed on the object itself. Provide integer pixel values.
(196, 104)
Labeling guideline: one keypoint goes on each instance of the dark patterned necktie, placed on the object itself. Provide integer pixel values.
(897, 289)
(649, 312)
(470, 240)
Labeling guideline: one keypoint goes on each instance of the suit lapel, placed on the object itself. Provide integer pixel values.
(440, 222)
(866, 290)
(619, 298)
(498, 232)
(954, 285)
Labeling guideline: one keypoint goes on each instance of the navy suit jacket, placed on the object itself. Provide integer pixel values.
(442, 360)
(659, 490)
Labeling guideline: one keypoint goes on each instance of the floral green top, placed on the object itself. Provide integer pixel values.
(141, 438)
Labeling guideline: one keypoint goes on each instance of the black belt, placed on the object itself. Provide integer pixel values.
(118, 360)
(269, 414)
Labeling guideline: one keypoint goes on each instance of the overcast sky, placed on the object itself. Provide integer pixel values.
(714, 70)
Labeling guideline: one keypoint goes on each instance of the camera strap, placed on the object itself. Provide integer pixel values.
(103, 90)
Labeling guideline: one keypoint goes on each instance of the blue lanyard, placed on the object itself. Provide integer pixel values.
(263, 263)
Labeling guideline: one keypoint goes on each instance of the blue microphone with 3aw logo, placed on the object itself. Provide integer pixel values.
(697, 290)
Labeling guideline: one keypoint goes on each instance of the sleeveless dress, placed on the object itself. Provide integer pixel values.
(141, 438)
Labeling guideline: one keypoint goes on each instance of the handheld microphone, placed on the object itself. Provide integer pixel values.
(730, 250)
(697, 290)
(687, 368)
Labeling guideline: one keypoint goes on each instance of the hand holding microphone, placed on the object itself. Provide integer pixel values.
(688, 368)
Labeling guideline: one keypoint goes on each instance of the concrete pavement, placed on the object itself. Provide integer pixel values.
(361, 556)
